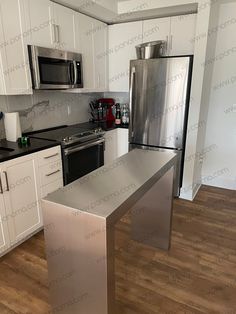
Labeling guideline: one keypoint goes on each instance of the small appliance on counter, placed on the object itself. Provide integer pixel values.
(106, 110)
(12, 126)
(103, 110)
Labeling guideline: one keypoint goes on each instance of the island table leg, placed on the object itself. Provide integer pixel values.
(151, 216)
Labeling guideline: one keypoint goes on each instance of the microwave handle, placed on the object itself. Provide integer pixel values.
(75, 72)
(71, 73)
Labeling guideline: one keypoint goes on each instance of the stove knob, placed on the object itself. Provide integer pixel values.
(66, 139)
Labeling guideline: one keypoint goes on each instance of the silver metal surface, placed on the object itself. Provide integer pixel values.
(50, 174)
(78, 148)
(159, 105)
(1, 188)
(75, 72)
(7, 182)
(51, 156)
(35, 52)
(151, 50)
(159, 101)
(178, 166)
(152, 215)
(83, 137)
(80, 243)
(131, 101)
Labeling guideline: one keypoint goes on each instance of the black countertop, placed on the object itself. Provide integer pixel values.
(17, 151)
(106, 126)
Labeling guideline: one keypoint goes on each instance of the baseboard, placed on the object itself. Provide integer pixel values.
(190, 193)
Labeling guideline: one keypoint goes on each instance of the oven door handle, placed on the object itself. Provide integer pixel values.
(70, 151)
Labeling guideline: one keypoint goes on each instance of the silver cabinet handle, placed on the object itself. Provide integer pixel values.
(82, 147)
(131, 101)
(171, 42)
(58, 33)
(1, 188)
(51, 174)
(54, 33)
(8, 188)
(47, 157)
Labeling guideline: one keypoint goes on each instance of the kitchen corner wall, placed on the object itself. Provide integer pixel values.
(219, 167)
(46, 109)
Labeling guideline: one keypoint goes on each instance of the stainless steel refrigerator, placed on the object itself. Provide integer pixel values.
(159, 102)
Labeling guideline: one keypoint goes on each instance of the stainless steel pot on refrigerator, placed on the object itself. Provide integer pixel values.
(159, 102)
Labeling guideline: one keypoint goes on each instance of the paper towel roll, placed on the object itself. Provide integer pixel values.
(12, 126)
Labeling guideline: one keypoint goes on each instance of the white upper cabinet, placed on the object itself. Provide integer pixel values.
(84, 45)
(122, 41)
(21, 195)
(40, 31)
(157, 29)
(63, 27)
(91, 41)
(177, 32)
(14, 67)
(183, 29)
(100, 42)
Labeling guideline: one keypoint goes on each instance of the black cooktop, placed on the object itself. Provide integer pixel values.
(59, 134)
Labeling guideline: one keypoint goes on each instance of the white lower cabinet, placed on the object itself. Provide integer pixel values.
(21, 196)
(23, 184)
(117, 144)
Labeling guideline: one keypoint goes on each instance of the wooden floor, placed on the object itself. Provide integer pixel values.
(198, 274)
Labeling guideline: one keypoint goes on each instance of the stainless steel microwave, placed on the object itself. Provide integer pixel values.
(55, 69)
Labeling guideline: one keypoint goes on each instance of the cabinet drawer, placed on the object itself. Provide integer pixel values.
(52, 187)
(51, 172)
(49, 155)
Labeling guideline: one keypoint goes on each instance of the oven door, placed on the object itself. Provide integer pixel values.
(82, 159)
(55, 69)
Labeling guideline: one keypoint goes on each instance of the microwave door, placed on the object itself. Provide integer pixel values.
(54, 73)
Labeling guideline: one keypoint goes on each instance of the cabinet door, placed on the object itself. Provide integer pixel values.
(40, 23)
(14, 55)
(21, 186)
(183, 30)
(84, 44)
(65, 27)
(122, 41)
(111, 151)
(122, 142)
(100, 40)
(157, 29)
(4, 234)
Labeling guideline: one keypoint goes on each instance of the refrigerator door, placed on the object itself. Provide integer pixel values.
(158, 101)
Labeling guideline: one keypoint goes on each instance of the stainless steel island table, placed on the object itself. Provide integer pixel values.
(80, 221)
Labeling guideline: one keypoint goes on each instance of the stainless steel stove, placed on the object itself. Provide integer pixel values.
(82, 149)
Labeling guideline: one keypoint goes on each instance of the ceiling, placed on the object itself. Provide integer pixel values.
(114, 11)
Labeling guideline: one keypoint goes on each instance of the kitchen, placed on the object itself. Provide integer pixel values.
(102, 43)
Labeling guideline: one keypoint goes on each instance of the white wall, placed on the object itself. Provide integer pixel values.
(219, 167)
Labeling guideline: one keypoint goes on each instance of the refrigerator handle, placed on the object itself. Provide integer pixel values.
(131, 101)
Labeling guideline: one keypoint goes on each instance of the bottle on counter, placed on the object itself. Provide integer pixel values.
(118, 115)
(125, 115)
(100, 112)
